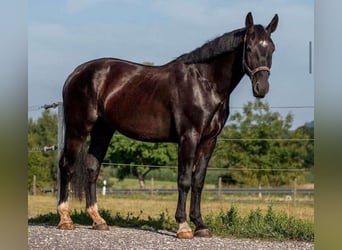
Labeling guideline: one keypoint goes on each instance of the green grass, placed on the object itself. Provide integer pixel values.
(156, 204)
(272, 225)
(242, 215)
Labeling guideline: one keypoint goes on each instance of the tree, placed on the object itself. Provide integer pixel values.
(258, 152)
(42, 132)
(308, 128)
(127, 151)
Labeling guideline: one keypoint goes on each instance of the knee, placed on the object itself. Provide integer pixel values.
(197, 182)
(66, 163)
(196, 188)
(92, 173)
(93, 169)
(66, 170)
(184, 183)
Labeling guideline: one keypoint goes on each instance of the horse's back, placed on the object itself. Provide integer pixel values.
(133, 98)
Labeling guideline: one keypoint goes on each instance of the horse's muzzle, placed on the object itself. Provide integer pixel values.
(260, 89)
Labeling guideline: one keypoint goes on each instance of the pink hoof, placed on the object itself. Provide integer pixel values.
(185, 235)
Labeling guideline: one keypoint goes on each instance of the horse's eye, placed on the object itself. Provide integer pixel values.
(248, 49)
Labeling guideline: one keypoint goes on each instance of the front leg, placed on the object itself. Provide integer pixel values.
(203, 154)
(186, 155)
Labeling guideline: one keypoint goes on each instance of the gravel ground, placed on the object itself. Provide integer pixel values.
(48, 237)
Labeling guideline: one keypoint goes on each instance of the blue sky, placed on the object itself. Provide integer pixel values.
(63, 34)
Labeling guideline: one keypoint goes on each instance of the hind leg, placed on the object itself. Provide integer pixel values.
(72, 149)
(100, 139)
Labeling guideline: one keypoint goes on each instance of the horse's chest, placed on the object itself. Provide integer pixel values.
(216, 123)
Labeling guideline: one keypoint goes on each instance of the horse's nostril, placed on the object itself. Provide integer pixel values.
(256, 88)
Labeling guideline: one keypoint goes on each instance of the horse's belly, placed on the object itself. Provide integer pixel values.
(145, 125)
(146, 129)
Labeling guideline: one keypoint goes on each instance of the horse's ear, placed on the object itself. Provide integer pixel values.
(249, 20)
(273, 24)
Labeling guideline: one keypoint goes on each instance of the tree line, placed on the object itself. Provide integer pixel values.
(257, 147)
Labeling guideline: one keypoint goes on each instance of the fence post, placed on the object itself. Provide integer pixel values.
(34, 187)
(294, 191)
(219, 188)
(60, 143)
(104, 187)
(152, 185)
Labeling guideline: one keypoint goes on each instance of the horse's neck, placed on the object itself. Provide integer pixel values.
(225, 72)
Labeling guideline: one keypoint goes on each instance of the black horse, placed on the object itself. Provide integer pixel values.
(185, 101)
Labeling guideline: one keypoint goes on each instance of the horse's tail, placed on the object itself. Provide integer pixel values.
(78, 181)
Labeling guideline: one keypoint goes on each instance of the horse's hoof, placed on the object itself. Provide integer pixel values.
(203, 233)
(102, 226)
(185, 235)
(66, 226)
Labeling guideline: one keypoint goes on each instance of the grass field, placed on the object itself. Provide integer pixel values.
(145, 205)
(244, 220)
(156, 204)
(231, 215)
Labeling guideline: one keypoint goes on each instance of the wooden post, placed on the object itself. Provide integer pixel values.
(152, 185)
(34, 187)
(294, 191)
(60, 143)
(219, 188)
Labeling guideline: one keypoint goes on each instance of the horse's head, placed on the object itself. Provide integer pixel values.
(257, 54)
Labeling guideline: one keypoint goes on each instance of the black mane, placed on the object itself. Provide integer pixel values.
(225, 43)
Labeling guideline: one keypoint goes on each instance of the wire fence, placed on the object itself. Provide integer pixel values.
(51, 148)
(290, 192)
(54, 105)
(47, 148)
(209, 168)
